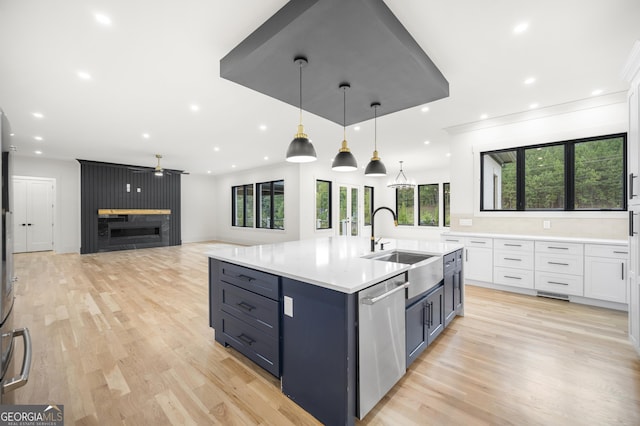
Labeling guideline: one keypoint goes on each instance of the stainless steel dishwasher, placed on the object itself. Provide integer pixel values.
(381, 340)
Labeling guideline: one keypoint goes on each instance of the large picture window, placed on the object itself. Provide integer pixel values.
(323, 204)
(428, 205)
(270, 205)
(242, 205)
(581, 174)
(405, 198)
(368, 204)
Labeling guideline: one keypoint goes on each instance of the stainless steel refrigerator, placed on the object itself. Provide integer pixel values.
(10, 347)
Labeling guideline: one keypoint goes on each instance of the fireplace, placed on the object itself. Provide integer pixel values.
(125, 229)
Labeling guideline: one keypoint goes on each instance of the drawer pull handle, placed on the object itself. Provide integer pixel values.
(556, 282)
(513, 278)
(558, 248)
(246, 306)
(478, 242)
(513, 245)
(631, 177)
(246, 339)
(558, 263)
(245, 278)
(513, 258)
(621, 252)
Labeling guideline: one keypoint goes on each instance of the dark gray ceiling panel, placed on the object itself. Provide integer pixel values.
(356, 41)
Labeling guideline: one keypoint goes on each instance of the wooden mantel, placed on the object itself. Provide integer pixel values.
(134, 211)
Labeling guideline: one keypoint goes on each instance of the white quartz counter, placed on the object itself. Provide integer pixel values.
(335, 262)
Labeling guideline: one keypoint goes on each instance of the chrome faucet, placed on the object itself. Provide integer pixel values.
(373, 238)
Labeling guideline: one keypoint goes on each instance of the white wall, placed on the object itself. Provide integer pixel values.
(67, 210)
(199, 208)
(292, 205)
(466, 147)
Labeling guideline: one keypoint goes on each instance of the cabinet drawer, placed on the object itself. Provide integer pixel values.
(250, 279)
(513, 259)
(560, 248)
(478, 242)
(601, 250)
(559, 283)
(564, 264)
(259, 311)
(264, 350)
(513, 277)
(456, 240)
(449, 262)
(513, 245)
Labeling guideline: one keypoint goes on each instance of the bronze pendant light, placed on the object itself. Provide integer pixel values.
(301, 149)
(344, 160)
(376, 166)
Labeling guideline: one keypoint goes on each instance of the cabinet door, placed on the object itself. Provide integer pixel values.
(416, 324)
(435, 311)
(478, 264)
(634, 311)
(449, 304)
(633, 154)
(605, 279)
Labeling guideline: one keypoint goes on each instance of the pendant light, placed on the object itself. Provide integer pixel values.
(401, 181)
(301, 149)
(344, 161)
(376, 166)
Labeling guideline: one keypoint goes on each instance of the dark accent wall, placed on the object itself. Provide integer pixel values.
(104, 186)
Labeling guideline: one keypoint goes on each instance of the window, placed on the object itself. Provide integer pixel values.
(323, 204)
(242, 205)
(404, 205)
(446, 198)
(270, 206)
(581, 174)
(368, 204)
(428, 205)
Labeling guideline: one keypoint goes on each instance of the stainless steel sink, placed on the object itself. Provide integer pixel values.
(398, 256)
(425, 271)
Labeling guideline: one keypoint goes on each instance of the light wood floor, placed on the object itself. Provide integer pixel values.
(123, 338)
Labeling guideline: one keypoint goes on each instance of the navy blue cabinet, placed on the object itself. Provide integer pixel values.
(424, 322)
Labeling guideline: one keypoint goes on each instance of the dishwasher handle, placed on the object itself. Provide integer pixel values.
(373, 300)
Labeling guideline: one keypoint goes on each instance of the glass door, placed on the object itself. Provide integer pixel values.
(349, 211)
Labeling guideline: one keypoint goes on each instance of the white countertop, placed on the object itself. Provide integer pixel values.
(335, 262)
(537, 238)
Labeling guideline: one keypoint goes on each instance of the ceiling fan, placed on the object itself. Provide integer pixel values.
(158, 170)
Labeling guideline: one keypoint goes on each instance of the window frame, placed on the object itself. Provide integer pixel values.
(569, 175)
(437, 185)
(244, 205)
(258, 210)
(330, 207)
(413, 189)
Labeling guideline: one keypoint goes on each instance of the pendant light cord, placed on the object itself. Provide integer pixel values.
(300, 93)
(344, 113)
(375, 127)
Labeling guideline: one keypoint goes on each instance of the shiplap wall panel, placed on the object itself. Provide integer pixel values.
(103, 186)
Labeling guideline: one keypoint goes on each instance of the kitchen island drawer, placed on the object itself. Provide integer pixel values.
(513, 277)
(259, 311)
(559, 283)
(262, 349)
(250, 279)
(564, 264)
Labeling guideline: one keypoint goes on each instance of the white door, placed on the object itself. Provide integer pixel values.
(33, 214)
(349, 213)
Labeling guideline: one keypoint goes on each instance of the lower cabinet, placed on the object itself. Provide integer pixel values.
(424, 322)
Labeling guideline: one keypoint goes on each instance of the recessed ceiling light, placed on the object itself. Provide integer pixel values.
(209, 172)
(146, 135)
(596, 92)
(427, 142)
(357, 128)
(266, 158)
(216, 149)
(84, 75)
(103, 19)
(533, 105)
(233, 166)
(448, 154)
(38, 138)
(37, 115)
(521, 27)
(12, 134)
(194, 107)
(263, 127)
(484, 117)
(424, 109)
(38, 152)
(530, 80)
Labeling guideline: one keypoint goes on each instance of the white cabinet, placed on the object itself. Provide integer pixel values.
(513, 262)
(559, 268)
(478, 256)
(605, 272)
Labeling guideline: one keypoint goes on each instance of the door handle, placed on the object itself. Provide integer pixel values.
(247, 307)
(20, 380)
(631, 177)
(372, 300)
(246, 339)
(622, 265)
(631, 231)
(23, 224)
(28, 224)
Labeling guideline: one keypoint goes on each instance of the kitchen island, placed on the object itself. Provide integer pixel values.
(293, 308)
